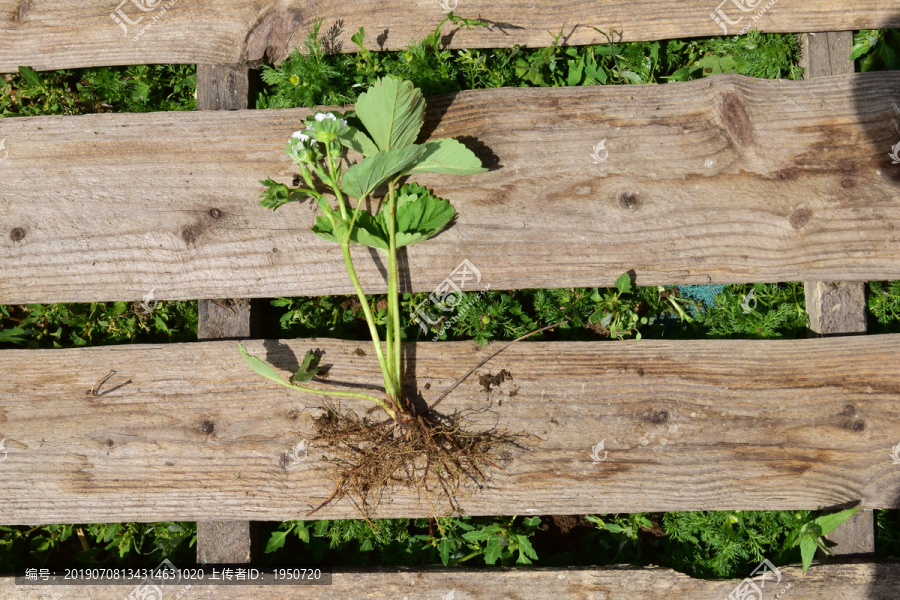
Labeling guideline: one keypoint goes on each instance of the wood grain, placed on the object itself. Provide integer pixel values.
(224, 88)
(848, 581)
(81, 33)
(722, 180)
(837, 307)
(188, 432)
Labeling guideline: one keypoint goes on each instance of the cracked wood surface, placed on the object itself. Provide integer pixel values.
(46, 34)
(723, 180)
(188, 432)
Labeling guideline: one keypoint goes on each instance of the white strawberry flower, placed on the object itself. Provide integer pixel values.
(320, 116)
(301, 135)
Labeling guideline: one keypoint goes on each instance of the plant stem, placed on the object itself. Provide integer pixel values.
(389, 385)
(394, 288)
(374, 399)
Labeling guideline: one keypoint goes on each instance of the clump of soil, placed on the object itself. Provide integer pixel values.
(488, 382)
(431, 453)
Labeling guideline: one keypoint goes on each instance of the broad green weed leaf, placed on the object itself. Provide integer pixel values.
(623, 283)
(493, 550)
(364, 177)
(807, 551)
(276, 541)
(307, 369)
(393, 111)
(447, 155)
(829, 522)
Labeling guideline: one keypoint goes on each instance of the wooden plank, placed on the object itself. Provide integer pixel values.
(83, 33)
(849, 581)
(837, 308)
(222, 87)
(222, 542)
(826, 54)
(723, 180)
(187, 431)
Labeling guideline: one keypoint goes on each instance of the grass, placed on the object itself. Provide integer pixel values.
(720, 544)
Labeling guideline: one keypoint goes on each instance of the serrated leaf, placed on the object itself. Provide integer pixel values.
(368, 231)
(356, 140)
(447, 155)
(420, 217)
(276, 541)
(829, 522)
(364, 177)
(393, 112)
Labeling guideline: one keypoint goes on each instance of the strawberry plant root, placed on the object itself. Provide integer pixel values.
(435, 455)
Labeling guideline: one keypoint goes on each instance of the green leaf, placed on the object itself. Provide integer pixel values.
(447, 155)
(829, 522)
(863, 41)
(482, 534)
(276, 541)
(393, 111)
(364, 177)
(369, 232)
(807, 551)
(31, 77)
(493, 551)
(356, 140)
(623, 283)
(444, 547)
(308, 368)
(420, 216)
(526, 550)
(262, 368)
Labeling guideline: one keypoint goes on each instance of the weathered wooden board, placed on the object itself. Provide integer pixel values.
(837, 307)
(224, 88)
(726, 179)
(82, 33)
(188, 432)
(850, 581)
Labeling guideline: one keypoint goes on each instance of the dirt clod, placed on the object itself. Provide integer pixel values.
(488, 382)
